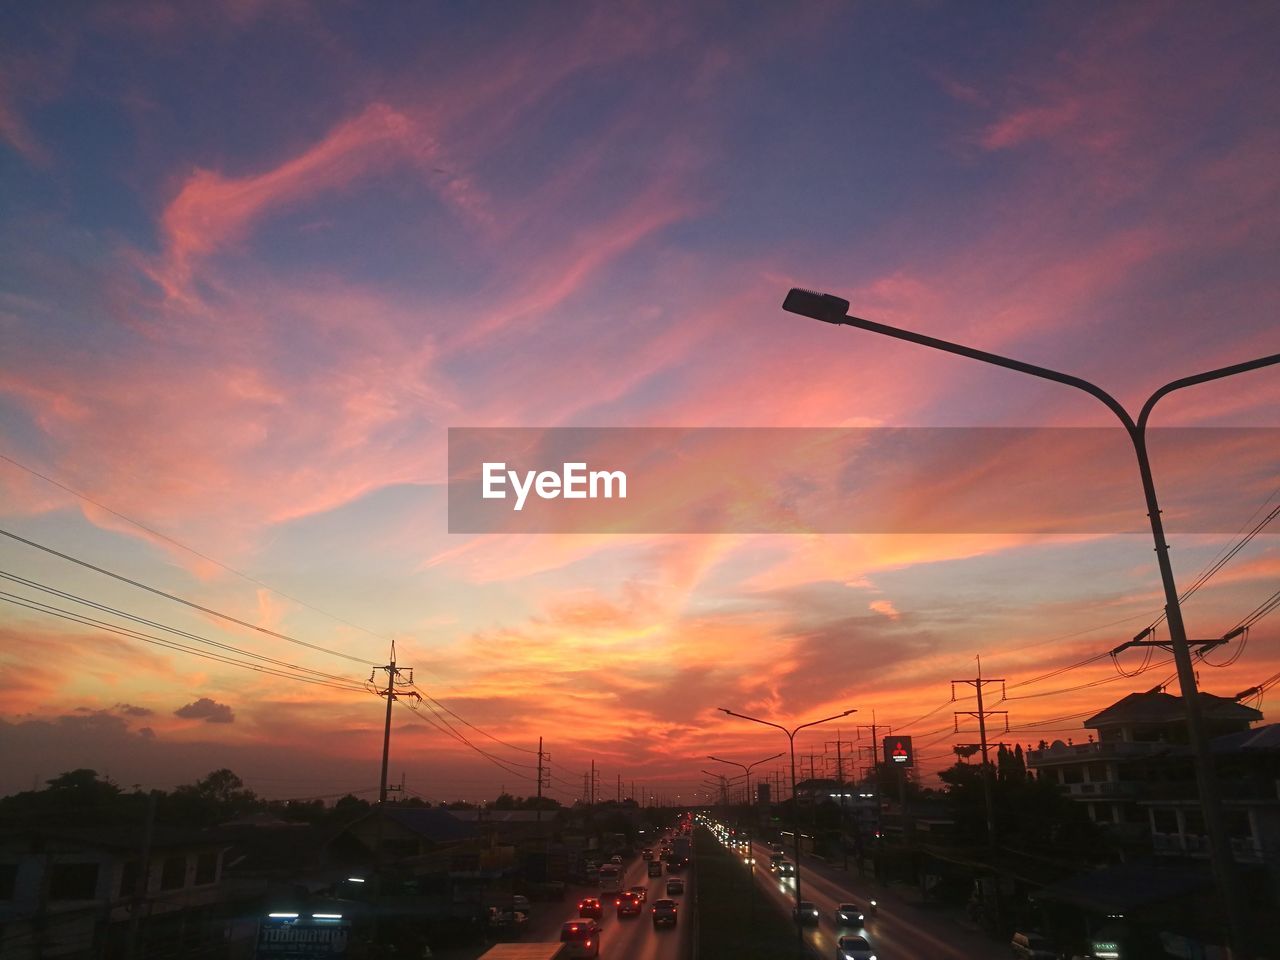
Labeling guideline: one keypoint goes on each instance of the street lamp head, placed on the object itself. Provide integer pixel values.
(819, 306)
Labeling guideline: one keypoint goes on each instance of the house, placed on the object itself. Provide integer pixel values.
(68, 892)
(1135, 775)
(1139, 752)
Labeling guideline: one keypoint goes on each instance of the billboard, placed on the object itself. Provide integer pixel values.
(898, 752)
(289, 937)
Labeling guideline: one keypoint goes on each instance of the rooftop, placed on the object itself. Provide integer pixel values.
(1157, 707)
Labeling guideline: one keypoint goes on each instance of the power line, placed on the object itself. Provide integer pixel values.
(1223, 557)
(191, 550)
(427, 696)
(1085, 686)
(129, 633)
(189, 603)
(435, 722)
(76, 598)
(461, 737)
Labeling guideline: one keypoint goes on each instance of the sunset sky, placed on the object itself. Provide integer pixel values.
(256, 258)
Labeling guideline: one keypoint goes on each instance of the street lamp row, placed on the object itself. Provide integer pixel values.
(795, 812)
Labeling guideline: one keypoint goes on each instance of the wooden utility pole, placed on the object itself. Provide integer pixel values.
(403, 675)
(978, 683)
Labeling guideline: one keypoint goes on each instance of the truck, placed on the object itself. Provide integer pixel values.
(524, 951)
(681, 851)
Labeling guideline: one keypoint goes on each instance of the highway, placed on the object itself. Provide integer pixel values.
(626, 938)
(898, 931)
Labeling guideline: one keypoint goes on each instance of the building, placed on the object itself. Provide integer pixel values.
(88, 892)
(1135, 775)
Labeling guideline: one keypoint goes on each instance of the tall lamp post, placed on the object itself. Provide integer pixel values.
(795, 812)
(746, 771)
(832, 309)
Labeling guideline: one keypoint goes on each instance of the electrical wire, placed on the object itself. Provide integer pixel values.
(129, 633)
(1056, 672)
(925, 716)
(443, 727)
(104, 608)
(512, 746)
(1223, 557)
(1146, 662)
(188, 603)
(1258, 612)
(1084, 686)
(459, 736)
(191, 550)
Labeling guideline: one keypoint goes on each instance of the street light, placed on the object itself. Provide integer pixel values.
(721, 783)
(832, 309)
(746, 771)
(795, 812)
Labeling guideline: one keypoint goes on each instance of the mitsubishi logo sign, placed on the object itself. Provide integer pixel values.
(898, 752)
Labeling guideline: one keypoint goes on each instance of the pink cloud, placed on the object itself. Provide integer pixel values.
(885, 608)
(211, 210)
(1031, 123)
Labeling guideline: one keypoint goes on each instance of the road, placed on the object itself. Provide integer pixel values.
(627, 938)
(898, 931)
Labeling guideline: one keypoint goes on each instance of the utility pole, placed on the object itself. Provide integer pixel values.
(542, 779)
(141, 883)
(844, 792)
(875, 737)
(394, 674)
(619, 789)
(594, 781)
(978, 683)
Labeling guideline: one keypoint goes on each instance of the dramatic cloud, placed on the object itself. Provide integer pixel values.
(207, 710)
(245, 313)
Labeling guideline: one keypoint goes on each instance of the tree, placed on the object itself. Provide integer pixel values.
(80, 796)
(219, 796)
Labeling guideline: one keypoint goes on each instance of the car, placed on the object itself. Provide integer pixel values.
(1033, 946)
(849, 915)
(854, 948)
(590, 907)
(520, 903)
(641, 892)
(616, 858)
(805, 913)
(581, 938)
(786, 869)
(655, 868)
(647, 853)
(674, 885)
(507, 923)
(664, 913)
(776, 859)
(628, 904)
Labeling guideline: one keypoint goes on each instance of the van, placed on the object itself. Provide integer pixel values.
(1032, 946)
(655, 868)
(581, 938)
